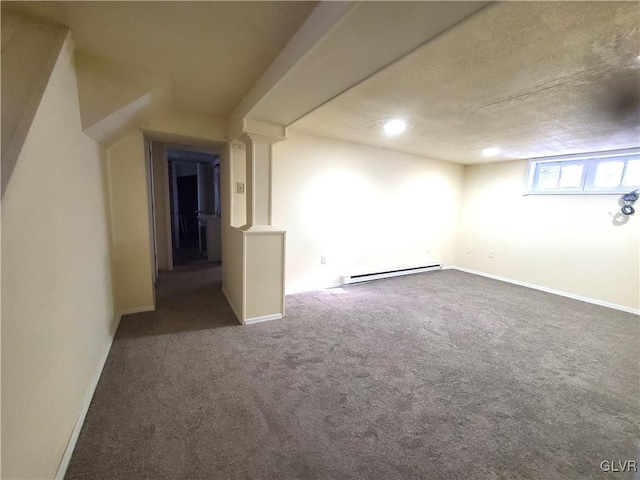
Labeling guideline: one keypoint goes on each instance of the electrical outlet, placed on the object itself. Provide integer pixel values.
(240, 187)
(468, 251)
(490, 253)
(323, 259)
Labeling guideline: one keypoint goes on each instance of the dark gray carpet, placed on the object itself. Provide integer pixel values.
(442, 375)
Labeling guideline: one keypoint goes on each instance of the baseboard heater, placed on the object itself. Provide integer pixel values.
(365, 277)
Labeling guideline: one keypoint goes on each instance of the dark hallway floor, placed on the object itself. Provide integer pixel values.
(189, 253)
(443, 375)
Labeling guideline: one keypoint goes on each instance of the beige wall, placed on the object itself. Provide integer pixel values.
(104, 87)
(363, 208)
(232, 240)
(233, 267)
(564, 242)
(189, 128)
(57, 313)
(264, 274)
(131, 233)
(239, 174)
(162, 211)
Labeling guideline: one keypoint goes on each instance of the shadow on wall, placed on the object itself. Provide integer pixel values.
(620, 218)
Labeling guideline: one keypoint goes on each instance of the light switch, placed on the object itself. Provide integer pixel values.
(239, 187)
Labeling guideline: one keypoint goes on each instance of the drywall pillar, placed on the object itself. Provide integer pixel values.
(131, 230)
(262, 245)
(259, 152)
(161, 210)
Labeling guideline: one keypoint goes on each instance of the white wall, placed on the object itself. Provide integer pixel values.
(564, 242)
(57, 312)
(363, 208)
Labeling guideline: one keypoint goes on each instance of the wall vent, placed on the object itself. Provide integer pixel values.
(366, 277)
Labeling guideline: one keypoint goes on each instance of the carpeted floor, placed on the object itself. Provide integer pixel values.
(443, 375)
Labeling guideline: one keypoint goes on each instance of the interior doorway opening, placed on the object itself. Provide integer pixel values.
(185, 204)
(194, 194)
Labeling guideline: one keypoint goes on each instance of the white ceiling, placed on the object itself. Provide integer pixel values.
(215, 51)
(533, 78)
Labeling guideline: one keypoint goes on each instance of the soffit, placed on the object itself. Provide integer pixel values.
(215, 51)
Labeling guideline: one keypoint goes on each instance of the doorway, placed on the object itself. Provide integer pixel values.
(195, 211)
(186, 206)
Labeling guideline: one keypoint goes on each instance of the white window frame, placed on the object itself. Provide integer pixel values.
(589, 162)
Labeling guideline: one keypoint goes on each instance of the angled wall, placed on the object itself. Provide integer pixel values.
(57, 311)
(29, 52)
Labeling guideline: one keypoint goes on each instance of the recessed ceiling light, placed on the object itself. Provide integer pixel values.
(394, 127)
(490, 152)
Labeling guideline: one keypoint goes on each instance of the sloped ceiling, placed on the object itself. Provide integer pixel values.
(215, 51)
(532, 78)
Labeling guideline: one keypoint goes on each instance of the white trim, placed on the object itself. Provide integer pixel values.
(84, 409)
(233, 308)
(347, 280)
(131, 311)
(265, 318)
(589, 155)
(551, 290)
(316, 289)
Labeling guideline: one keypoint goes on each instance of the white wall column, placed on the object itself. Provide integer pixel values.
(257, 247)
(259, 150)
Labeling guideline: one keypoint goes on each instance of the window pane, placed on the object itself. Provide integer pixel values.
(632, 174)
(608, 174)
(571, 176)
(548, 177)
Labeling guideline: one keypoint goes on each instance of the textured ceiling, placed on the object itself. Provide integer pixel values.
(533, 78)
(215, 51)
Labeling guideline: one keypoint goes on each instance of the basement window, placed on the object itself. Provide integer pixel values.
(591, 173)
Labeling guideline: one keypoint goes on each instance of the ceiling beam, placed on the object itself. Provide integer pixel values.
(352, 43)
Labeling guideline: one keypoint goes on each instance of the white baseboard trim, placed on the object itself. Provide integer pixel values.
(317, 289)
(131, 311)
(549, 290)
(265, 318)
(233, 307)
(75, 433)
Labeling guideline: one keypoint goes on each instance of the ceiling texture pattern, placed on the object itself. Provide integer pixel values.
(534, 79)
